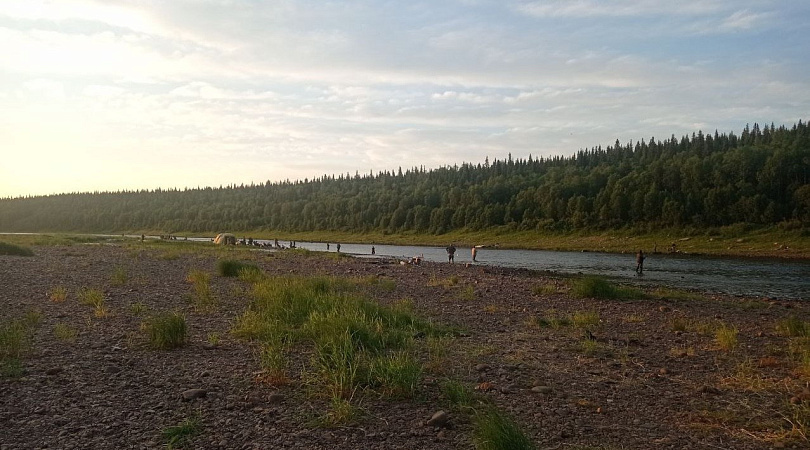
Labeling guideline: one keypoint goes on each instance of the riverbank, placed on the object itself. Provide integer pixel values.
(658, 369)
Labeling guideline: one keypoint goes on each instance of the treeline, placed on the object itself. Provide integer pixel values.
(761, 176)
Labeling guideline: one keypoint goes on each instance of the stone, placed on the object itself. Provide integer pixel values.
(191, 394)
(53, 371)
(275, 398)
(542, 390)
(482, 367)
(439, 419)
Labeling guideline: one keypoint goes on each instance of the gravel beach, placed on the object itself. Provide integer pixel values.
(643, 373)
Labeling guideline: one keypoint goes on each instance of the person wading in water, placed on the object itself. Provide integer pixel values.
(451, 253)
(640, 262)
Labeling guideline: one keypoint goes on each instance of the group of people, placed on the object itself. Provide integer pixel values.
(451, 252)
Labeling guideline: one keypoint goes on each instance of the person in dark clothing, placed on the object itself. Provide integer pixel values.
(640, 262)
(451, 253)
(338, 248)
(373, 250)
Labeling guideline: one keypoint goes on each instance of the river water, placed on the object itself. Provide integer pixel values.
(772, 278)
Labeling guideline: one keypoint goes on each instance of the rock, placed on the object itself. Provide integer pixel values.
(275, 398)
(191, 394)
(482, 367)
(664, 308)
(542, 390)
(663, 371)
(439, 419)
(53, 371)
(112, 369)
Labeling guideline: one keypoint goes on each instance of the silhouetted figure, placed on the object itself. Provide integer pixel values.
(373, 251)
(338, 248)
(451, 253)
(327, 246)
(640, 262)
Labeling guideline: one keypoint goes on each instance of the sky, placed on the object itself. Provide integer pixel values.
(109, 95)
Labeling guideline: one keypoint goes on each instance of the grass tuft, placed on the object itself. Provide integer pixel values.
(232, 268)
(726, 337)
(598, 287)
(201, 296)
(493, 430)
(178, 436)
(167, 331)
(57, 294)
(119, 276)
(64, 332)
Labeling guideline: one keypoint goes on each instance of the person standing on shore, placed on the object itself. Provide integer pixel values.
(640, 262)
(451, 253)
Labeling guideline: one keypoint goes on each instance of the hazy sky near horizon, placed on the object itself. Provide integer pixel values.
(106, 95)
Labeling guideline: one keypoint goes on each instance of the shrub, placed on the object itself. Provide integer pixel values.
(15, 250)
(598, 287)
(493, 430)
(231, 268)
(167, 331)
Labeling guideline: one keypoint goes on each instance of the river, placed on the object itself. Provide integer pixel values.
(757, 277)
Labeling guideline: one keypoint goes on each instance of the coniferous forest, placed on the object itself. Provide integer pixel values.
(760, 177)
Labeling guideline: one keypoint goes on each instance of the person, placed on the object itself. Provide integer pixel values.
(327, 246)
(474, 253)
(338, 248)
(451, 253)
(373, 250)
(142, 237)
(640, 262)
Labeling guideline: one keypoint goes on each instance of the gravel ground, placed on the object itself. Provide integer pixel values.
(642, 382)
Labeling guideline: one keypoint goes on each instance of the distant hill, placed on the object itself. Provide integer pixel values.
(760, 177)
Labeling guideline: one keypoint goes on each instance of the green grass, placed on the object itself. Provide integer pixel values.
(64, 332)
(458, 395)
(233, 268)
(15, 342)
(494, 430)
(726, 337)
(167, 330)
(119, 276)
(57, 294)
(178, 436)
(598, 287)
(356, 345)
(201, 295)
(91, 297)
(15, 250)
(793, 327)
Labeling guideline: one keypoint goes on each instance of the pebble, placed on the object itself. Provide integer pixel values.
(542, 389)
(439, 419)
(191, 394)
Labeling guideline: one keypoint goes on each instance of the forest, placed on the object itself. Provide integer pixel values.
(761, 177)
